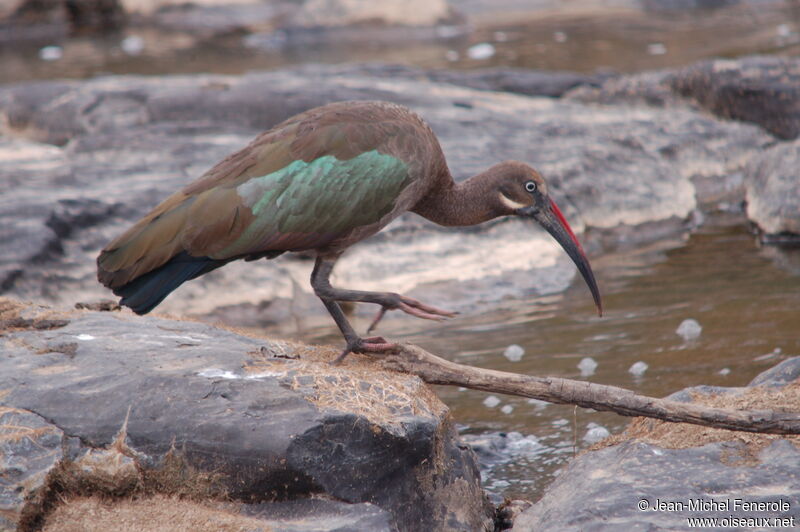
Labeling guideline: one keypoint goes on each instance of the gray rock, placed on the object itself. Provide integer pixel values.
(107, 150)
(780, 375)
(30, 448)
(205, 411)
(641, 486)
(515, 80)
(763, 90)
(773, 193)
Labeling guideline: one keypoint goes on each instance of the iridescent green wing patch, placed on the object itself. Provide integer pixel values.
(306, 204)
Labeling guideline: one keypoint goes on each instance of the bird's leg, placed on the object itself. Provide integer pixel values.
(355, 344)
(320, 281)
(387, 300)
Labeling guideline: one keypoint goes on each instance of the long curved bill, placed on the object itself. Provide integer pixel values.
(554, 222)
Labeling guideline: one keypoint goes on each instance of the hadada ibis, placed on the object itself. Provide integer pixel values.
(322, 181)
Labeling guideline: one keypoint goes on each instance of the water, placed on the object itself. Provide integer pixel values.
(744, 297)
(606, 40)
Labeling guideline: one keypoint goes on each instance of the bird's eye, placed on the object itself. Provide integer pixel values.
(530, 186)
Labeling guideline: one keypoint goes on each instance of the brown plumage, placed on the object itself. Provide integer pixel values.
(322, 181)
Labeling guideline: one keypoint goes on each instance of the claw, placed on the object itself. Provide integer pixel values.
(372, 344)
(415, 308)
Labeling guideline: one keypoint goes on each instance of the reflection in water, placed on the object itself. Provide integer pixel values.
(745, 299)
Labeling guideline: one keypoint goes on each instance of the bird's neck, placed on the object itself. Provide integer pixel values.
(459, 204)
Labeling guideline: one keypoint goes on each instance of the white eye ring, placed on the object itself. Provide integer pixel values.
(530, 186)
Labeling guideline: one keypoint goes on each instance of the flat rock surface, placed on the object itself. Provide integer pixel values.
(188, 409)
(81, 161)
(657, 475)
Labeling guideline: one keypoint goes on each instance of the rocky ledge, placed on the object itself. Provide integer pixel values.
(630, 159)
(217, 428)
(658, 475)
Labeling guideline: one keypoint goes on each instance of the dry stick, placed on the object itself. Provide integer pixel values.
(436, 370)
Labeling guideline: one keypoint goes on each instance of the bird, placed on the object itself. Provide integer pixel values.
(318, 183)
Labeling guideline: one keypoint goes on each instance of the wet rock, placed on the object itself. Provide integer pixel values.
(773, 193)
(654, 462)
(762, 90)
(107, 150)
(177, 408)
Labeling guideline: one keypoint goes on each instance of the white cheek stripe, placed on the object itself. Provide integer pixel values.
(511, 204)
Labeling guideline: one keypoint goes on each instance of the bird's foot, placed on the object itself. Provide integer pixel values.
(413, 307)
(372, 344)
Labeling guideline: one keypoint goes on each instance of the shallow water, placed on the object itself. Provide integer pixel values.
(621, 41)
(747, 304)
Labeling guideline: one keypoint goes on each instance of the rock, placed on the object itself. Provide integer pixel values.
(773, 193)
(622, 481)
(107, 150)
(689, 329)
(30, 448)
(307, 515)
(314, 13)
(763, 90)
(163, 407)
(514, 80)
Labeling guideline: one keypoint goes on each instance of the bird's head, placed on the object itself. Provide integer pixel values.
(522, 191)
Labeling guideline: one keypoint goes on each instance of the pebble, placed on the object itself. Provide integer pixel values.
(587, 366)
(638, 369)
(480, 51)
(514, 353)
(491, 401)
(559, 36)
(507, 409)
(656, 48)
(595, 433)
(51, 53)
(132, 45)
(724, 371)
(689, 329)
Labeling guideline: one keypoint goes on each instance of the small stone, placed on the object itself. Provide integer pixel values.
(51, 53)
(538, 403)
(689, 329)
(638, 369)
(559, 36)
(587, 366)
(491, 401)
(656, 48)
(514, 353)
(481, 51)
(132, 45)
(507, 409)
(724, 371)
(595, 433)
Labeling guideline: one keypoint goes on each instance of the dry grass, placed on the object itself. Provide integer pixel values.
(359, 386)
(11, 431)
(156, 513)
(683, 435)
(18, 316)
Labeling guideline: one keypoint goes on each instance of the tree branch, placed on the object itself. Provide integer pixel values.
(436, 370)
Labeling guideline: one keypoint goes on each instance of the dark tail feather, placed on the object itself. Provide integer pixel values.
(145, 292)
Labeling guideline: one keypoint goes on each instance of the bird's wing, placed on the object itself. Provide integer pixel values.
(298, 186)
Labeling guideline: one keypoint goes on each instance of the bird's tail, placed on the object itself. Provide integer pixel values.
(146, 291)
(149, 261)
